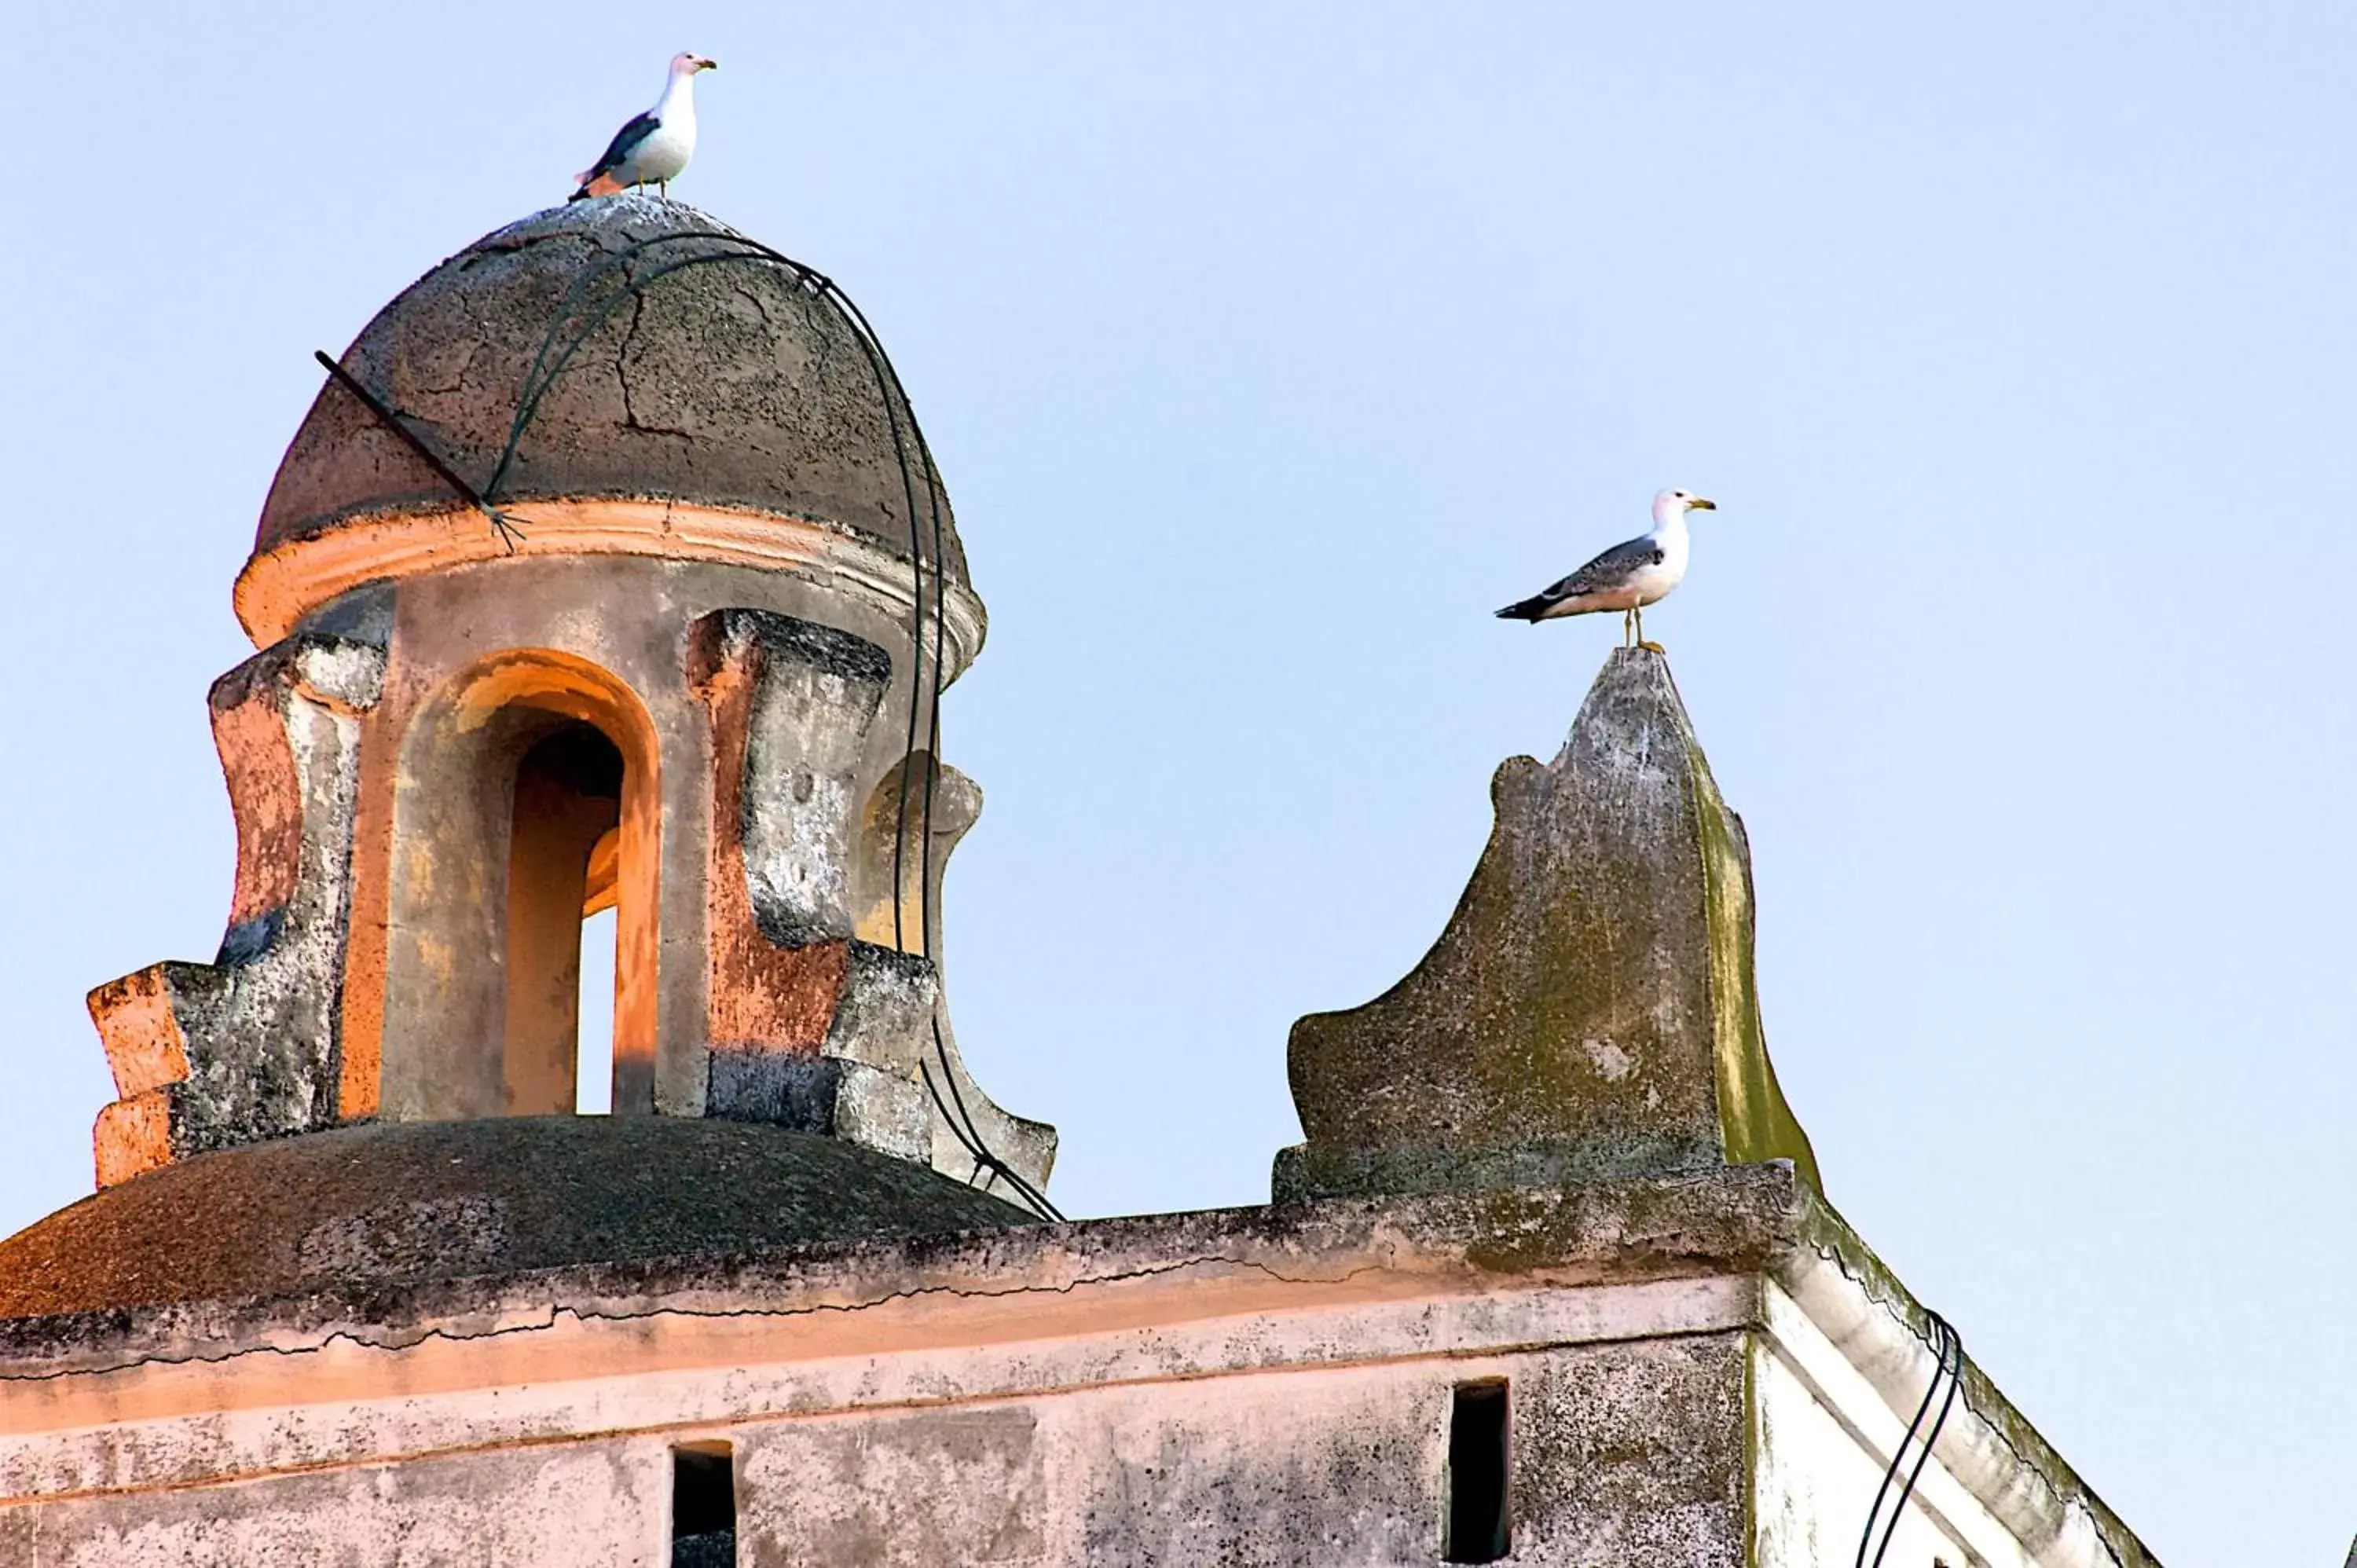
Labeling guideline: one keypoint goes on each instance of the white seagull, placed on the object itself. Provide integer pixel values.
(1626, 578)
(654, 147)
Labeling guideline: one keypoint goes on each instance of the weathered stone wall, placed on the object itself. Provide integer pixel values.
(584, 1505)
(1625, 1453)
(249, 1046)
(808, 1027)
(1701, 1372)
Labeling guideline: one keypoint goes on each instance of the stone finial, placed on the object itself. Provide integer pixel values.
(1590, 1010)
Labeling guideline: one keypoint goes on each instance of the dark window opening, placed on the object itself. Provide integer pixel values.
(1479, 1523)
(703, 1507)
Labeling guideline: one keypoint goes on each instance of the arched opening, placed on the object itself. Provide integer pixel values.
(527, 805)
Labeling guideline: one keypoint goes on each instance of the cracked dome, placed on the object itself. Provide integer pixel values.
(726, 384)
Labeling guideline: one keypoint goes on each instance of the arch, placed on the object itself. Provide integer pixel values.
(527, 795)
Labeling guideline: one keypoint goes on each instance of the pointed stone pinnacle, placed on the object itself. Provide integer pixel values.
(1589, 1011)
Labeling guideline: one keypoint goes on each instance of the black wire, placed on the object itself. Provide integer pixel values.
(1031, 1195)
(536, 384)
(1955, 1383)
(502, 524)
(897, 398)
(983, 1160)
(895, 402)
(542, 375)
(1948, 1363)
(925, 1071)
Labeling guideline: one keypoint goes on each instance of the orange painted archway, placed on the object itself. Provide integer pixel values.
(496, 848)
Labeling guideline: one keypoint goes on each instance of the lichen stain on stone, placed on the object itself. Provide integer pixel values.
(1603, 914)
(1611, 1060)
(387, 1240)
(1632, 1453)
(830, 1491)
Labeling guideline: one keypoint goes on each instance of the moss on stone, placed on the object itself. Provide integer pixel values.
(1589, 1011)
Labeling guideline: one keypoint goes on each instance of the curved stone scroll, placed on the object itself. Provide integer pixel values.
(1027, 1147)
(1590, 1010)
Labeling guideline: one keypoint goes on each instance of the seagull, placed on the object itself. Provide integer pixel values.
(654, 147)
(1626, 578)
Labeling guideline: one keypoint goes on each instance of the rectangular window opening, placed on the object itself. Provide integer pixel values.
(703, 1506)
(1479, 1528)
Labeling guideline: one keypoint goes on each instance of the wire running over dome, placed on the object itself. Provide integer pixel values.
(622, 348)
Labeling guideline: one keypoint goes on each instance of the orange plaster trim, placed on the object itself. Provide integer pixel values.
(769, 998)
(760, 995)
(631, 866)
(602, 891)
(572, 1347)
(142, 1035)
(563, 683)
(360, 1034)
(133, 1136)
(267, 794)
(282, 584)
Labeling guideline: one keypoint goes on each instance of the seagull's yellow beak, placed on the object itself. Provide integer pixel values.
(703, 64)
(1700, 504)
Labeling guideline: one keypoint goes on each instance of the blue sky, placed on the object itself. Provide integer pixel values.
(1265, 350)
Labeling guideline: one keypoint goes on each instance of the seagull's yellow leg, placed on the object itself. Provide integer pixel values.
(1648, 647)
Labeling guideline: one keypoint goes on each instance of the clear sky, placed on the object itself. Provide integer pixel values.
(1266, 350)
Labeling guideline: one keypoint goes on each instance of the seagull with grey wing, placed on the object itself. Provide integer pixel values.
(1626, 578)
(654, 147)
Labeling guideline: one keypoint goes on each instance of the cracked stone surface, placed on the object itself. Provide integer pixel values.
(725, 383)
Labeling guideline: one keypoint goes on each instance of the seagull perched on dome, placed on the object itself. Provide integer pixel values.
(654, 147)
(1626, 578)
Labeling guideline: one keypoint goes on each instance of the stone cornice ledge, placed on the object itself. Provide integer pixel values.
(1030, 1282)
(280, 585)
(1729, 1221)
(1881, 1336)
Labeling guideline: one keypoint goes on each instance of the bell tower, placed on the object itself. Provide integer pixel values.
(608, 569)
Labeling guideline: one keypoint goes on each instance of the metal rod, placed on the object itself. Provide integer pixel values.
(416, 444)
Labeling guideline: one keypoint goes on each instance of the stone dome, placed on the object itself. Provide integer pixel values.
(733, 384)
(405, 1202)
